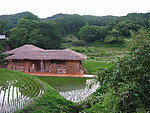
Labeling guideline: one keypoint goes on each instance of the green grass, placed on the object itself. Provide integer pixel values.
(94, 66)
(49, 102)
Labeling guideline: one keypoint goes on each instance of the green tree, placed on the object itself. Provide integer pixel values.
(114, 33)
(17, 37)
(125, 26)
(42, 34)
(71, 23)
(3, 27)
(93, 33)
(32, 17)
(51, 35)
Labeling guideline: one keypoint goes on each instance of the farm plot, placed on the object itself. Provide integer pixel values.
(93, 66)
(17, 90)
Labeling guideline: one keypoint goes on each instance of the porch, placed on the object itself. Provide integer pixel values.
(60, 75)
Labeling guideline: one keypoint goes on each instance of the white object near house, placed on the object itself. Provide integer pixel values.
(3, 37)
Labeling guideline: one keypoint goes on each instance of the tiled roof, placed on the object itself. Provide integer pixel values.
(66, 54)
(24, 48)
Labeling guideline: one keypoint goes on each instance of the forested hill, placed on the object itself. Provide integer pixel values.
(13, 18)
(51, 32)
(70, 19)
(57, 16)
(61, 15)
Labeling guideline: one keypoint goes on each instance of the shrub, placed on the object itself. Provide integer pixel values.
(2, 59)
(78, 42)
(69, 39)
(113, 40)
(125, 86)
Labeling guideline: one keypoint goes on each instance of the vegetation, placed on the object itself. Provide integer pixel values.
(34, 32)
(18, 89)
(100, 52)
(93, 33)
(125, 86)
(27, 28)
(12, 20)
(93, 67)
(50, 102)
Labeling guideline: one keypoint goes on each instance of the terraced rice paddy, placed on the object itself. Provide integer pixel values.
(17, 90)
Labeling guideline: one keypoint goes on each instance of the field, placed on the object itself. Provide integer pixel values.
(98, 50)
(75, 89)
(92, 67)
(63, 84)
(19, 90)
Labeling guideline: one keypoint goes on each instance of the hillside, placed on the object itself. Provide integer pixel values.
(14, 18)
(57, 16)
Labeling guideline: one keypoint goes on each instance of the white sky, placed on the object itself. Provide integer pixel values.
(46, 8)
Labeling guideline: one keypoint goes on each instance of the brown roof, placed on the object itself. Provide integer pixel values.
(24, 48)
(66, 54)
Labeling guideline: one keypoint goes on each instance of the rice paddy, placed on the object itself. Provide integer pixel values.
(17, 90)
(73, 88)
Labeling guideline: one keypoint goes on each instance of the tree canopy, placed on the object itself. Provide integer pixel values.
(42, 34)
(93, 33)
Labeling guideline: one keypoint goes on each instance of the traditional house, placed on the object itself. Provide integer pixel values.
(48, 61)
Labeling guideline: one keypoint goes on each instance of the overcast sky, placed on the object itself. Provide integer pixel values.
(46, 8)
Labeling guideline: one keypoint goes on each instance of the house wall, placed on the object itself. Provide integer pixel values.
(66, 67)
(18, 65)
(69, 67)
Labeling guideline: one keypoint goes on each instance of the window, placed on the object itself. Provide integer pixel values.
(61, 71)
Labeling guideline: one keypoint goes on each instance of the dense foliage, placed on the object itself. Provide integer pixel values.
(12, 20)
(3, 44)
(46, 33)
(125, 86)
(93, 33)
(41, 34)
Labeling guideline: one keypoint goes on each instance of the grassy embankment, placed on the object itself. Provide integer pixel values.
(50, 101)
(93, 67)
